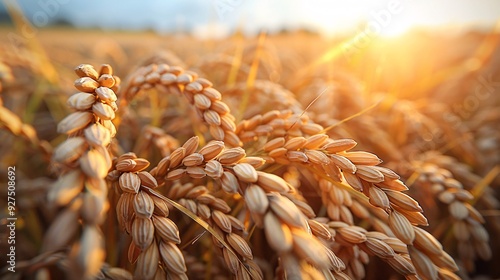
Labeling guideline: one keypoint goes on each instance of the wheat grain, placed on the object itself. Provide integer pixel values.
(451, 193)
(144, 217)
(214, 211)
(87, 256)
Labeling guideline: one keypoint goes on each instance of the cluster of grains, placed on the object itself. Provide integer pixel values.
(286, 228)
(472, 237)
(199, 92)
(215, 212)
(462, 172)
(359, 170)
(339, 204)
(185, 160)
(285, 225)
(354, 244)
(276, 123)
(447, 180)
(296, 247)
(84, 161)
(145, 217)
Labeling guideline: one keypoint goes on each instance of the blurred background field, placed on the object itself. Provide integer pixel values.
(420, 97)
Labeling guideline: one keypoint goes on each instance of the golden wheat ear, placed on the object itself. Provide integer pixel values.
(83, 159)
(200, 93)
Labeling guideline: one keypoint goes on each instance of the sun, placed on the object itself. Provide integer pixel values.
(399, 27)
(391, 19)
(374, 18)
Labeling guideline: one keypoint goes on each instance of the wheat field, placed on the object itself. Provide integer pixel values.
(288, 156)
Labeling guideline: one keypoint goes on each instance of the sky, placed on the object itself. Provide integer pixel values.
(219, 18)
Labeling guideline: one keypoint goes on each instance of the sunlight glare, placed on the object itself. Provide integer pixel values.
(402, 26)
(385, 18)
